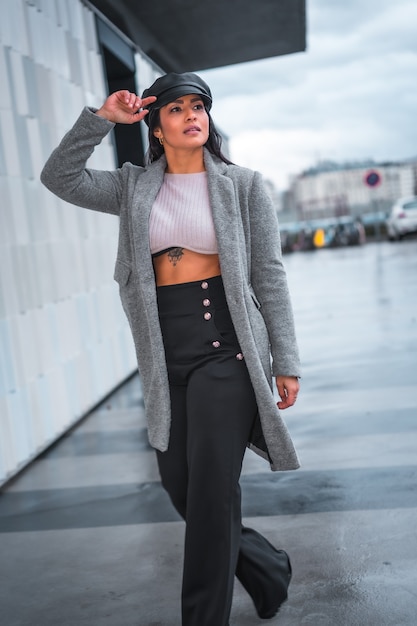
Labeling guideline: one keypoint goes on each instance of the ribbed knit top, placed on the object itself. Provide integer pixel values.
(181, 215)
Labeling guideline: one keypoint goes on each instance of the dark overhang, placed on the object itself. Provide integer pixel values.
(188, 35)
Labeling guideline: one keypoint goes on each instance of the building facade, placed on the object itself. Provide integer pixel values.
(64, 339)
(332, 190)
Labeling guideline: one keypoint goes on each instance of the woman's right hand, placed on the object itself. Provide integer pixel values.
(124, 107)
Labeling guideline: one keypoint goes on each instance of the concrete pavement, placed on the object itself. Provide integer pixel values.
(87, 535)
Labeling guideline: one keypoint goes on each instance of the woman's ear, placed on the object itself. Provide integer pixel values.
(157, 132)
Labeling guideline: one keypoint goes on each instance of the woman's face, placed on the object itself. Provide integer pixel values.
(184, 124)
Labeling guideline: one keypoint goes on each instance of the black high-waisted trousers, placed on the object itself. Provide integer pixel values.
(213, 408)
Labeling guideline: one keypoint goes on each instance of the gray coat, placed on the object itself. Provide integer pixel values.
(250, 258)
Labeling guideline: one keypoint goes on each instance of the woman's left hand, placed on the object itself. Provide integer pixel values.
(288, 388)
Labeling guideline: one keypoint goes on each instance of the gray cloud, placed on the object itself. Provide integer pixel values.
(352, 95)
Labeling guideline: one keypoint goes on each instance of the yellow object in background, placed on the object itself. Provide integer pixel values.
(319, 238)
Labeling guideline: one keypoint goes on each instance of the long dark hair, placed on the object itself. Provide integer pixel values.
(155, 150)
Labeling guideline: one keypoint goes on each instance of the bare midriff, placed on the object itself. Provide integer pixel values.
(180, 265)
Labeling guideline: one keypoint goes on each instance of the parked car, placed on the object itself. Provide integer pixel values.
(322, 233)
(402, 219)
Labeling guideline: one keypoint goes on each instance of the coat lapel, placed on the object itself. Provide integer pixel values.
(145, 192)
(227, 222)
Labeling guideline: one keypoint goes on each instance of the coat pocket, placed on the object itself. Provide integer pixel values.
(122, 273)
(255, 299)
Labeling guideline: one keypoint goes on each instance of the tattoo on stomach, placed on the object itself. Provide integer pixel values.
(175, 255)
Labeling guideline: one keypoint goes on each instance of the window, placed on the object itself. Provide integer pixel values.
(119, 66)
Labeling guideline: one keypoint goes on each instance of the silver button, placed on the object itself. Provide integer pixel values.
(216, 344)
(207, 316)
(239, 356)
(206, 302)
(204, 284)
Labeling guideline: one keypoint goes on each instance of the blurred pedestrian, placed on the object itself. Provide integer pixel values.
(205, 292)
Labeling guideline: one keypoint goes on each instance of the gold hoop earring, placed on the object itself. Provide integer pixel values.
(161, 140)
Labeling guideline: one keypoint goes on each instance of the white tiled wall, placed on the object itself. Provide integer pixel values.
(64, 339)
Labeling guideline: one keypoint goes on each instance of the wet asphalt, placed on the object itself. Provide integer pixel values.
(87, 535)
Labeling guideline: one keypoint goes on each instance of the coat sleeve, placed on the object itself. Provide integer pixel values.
(269, 281)
(66, 175)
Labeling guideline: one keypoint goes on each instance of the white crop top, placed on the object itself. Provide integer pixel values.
(181, 215)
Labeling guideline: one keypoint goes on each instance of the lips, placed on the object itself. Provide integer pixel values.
(192, 129)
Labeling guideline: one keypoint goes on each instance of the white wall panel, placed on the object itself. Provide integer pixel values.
(70, 220)
(32, 277)
(42, 408)
(3, 170)
(63, 13)
(6, 216)
(46, 352)
(20, 96)
(17, 209)
(29, 343)
(38, 430)
(98, 85)
(52, 315)
(83, 319)
(36, 210)
(21, 429)
(90, 30)
(5, 94)
(85, 77)
(27, 286)
(43, 210)
(34, 146)
(8, 375)
(43, 79)
(76, 24)
(85, 377)
(59, 399)
(18, 352)
(38, 35)
(18, 274)
(55, 272)
(7, 448)
(74, 59)
(61, 62)
(29, 70)
(64, 339)
(9, 139)
(8, 282)
(12, 26)
(22, 138)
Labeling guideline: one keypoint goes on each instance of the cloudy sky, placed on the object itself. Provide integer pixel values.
(352, 95)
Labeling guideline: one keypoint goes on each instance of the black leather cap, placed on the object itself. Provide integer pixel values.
(171, 86)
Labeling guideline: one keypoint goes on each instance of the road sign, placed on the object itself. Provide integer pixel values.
(372, 178)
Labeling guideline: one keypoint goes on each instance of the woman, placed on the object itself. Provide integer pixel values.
(203, 286)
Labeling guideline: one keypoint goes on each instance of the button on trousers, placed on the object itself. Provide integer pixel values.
(213, 408)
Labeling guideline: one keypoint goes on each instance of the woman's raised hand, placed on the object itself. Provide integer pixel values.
(124, 107)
